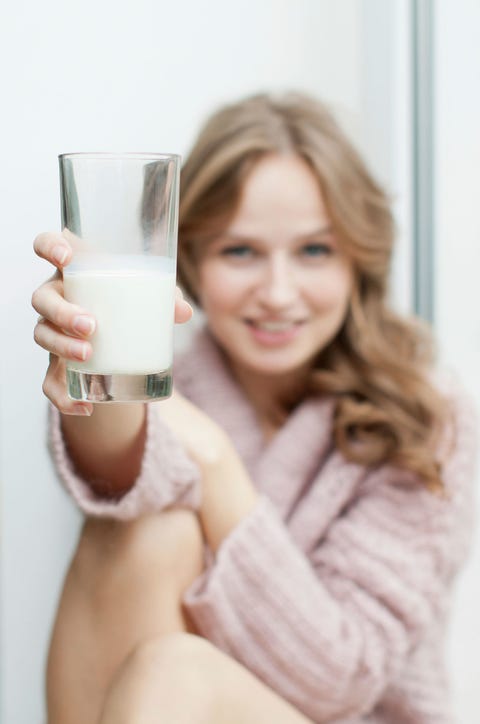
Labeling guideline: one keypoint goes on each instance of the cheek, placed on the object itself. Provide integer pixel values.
(332, 292)
(220, 289)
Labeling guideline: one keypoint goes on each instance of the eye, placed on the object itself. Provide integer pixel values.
(316, 249)
(239, 251)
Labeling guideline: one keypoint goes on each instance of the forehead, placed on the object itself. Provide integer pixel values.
(281, 197)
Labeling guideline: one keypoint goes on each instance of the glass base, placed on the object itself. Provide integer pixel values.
(90, 387)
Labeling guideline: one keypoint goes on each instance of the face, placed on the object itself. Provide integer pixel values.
(275, 285)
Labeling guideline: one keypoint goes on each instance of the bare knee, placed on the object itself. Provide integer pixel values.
(107, 537)
(168, 542)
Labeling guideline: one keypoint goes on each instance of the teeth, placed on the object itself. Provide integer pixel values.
(274, 326)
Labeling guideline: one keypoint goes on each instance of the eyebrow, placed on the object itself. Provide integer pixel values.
(322, 231)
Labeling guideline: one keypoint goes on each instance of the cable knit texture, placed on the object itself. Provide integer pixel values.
(167, 476)
(335, 590)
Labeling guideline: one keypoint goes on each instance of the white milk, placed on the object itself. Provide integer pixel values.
(132, 299)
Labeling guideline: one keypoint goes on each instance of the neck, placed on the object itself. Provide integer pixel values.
(272, 397)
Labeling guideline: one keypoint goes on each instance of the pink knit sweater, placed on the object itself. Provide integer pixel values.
(336, 588)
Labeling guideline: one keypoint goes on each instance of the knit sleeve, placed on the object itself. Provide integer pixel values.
(167, 476)
(330, 631)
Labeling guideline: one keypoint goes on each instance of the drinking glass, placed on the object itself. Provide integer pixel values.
(120, 214)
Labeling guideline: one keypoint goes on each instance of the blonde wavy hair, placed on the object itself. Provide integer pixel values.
(378, 366)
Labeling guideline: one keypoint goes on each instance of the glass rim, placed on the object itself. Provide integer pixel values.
(107, 156)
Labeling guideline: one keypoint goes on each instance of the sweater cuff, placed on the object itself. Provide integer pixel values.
(168, 477)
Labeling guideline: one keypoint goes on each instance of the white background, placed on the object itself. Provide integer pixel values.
(457, 231)
(86, 76)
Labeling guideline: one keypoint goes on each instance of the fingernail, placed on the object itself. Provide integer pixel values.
(60, 254)
(79, 350)
(81, 410)
(83, 324)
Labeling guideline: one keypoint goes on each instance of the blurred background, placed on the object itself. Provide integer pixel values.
(403, 78)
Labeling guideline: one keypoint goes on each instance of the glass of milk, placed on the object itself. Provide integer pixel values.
(120, 214)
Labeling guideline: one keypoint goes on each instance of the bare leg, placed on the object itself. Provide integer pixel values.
(184, 679)
(124, 585)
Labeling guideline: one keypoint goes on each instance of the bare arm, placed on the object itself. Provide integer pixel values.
(228, 494)
(105, 441)
(107, 448)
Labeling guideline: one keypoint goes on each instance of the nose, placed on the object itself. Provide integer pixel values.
(277, 288)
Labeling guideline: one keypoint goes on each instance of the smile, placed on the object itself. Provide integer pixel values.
(274, 326)
(272, 333)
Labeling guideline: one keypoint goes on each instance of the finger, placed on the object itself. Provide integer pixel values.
(49, 302)
(53, 247)
(54, 388)
(46, 335)
(183, 310)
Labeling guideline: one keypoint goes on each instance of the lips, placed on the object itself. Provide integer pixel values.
(274, 332)
(273, 326)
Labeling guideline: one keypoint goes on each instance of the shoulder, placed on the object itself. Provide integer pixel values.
(448, 381)
(460, 434)
(456, 448)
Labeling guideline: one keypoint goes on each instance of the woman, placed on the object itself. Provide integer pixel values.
(278, 541)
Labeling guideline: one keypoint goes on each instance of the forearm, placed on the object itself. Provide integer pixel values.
(107, 447)
(107, 450)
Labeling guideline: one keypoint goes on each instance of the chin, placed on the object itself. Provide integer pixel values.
(274, 367)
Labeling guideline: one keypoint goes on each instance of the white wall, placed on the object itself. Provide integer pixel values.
(106, 76)
(386, 111)
(457, 222)
(111, 76)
